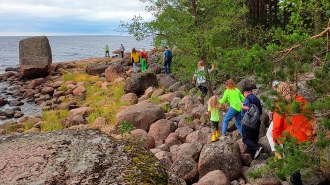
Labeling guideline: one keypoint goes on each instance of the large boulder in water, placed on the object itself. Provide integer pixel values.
(76, 157)
(35, 57)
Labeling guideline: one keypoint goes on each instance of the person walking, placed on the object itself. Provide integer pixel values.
(167, 59)
(251, 131)
(233, 96)
(200, 78)
(135, 58)
(122, 50)
(297, 125)
(144, 60)
(214, 110)
(270, 128)
(106, 50)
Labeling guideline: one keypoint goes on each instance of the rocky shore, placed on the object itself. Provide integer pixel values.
(175, 130)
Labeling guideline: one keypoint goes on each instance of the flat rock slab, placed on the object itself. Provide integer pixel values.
(76, 157)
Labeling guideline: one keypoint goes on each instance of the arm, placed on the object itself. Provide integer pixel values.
(164, 56)
(210, 70)
(241, 97)
(224, 97)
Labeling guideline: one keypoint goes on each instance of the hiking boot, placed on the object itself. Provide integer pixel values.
(257, 153)
(214, 138)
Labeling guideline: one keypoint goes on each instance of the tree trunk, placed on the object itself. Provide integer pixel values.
(317, 17)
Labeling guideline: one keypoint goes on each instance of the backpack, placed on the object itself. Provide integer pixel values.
(251, 116)
(169, 55)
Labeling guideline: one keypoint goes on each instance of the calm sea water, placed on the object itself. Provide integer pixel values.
(67, 48)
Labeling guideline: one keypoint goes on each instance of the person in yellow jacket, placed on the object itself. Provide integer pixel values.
(135, 58)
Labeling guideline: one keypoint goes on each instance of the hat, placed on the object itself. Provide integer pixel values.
(275, 83)
(248, 88)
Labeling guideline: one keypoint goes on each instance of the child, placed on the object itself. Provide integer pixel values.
(144, 60)
(213, 108)
(200, 78)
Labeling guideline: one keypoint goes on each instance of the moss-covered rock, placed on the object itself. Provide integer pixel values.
(76, 157)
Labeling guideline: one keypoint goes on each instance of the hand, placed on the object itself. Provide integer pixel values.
(212, 66)
(207, 113)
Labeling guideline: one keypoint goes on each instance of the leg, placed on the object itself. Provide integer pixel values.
(134, 67)
(203, 89)
(248, 134)
(143, 65)
(122, 54)
(229, 115)
(238, 125)
(169, 66)
(165, 66)
(213, 126)
(269, 137)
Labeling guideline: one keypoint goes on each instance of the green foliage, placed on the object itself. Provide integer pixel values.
(52, 120)
(296, 157)
(166, 107)
(63, 88)
(198, 30)
(155, 99)
(190, 119)
(10, 128)
(276, 46)
(125, 128)
(203, 120)
(28, 125)
(105, 102)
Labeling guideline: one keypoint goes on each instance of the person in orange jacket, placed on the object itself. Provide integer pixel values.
(298, 125)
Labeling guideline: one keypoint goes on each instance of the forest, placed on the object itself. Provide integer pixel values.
(285, 40)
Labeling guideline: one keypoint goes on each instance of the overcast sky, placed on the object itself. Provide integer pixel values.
(67, 17)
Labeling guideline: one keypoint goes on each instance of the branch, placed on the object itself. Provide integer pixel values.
(288, 51)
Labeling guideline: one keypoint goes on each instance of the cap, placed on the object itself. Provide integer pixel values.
(275, 83)
(248, 88)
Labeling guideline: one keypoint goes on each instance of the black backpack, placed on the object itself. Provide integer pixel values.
(251, 116)
(169, 55)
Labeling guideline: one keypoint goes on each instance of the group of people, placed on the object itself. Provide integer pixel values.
(297, 125)
(107, 51)
(142, 57)
(282, 123)
(137, 57)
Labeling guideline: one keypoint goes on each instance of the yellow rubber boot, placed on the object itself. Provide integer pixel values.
(216, 133)
(214, 138)
(277, 156)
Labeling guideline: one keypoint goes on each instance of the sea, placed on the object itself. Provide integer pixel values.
(64, 48)
(68, 48)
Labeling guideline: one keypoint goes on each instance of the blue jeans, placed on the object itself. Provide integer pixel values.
(167, 66)
(229, 115)
(135, 67)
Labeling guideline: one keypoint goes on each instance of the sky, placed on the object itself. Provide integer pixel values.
(67, 17)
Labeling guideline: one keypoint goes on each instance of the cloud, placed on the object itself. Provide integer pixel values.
(67, 17)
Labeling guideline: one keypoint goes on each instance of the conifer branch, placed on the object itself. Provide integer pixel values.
(288, 51)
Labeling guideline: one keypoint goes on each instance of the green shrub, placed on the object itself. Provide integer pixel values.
(125, 128)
